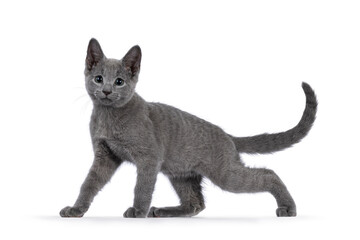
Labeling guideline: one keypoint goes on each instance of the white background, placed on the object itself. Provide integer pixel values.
(238, 64)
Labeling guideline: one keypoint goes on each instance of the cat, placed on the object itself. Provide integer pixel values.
(159, 138)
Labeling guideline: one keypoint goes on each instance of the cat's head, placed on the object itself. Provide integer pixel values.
(111, 82)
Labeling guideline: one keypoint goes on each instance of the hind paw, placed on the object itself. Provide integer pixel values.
(286, 212)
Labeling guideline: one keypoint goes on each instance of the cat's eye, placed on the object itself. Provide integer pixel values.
(119, 82)
(98, 79)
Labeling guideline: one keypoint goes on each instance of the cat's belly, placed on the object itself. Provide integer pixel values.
(178, 167)
(178, 173)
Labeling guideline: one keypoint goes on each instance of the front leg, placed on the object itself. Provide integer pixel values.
(103, 168)
(145, 184)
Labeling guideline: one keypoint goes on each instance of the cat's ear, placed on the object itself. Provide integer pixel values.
(132, 60)
(94, 54)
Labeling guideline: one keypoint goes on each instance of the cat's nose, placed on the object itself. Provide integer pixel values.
(106, 92)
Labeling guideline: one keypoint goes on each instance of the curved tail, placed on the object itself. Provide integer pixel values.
(268, 143)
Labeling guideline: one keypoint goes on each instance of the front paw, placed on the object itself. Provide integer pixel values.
(134, 213)
(72, 212)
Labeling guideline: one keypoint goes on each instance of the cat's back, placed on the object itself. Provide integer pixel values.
(181, 128)
(173, 120)
(188, 141)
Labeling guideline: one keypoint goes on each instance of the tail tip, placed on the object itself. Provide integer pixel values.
(307, 89)
(310, 95)
(305, 85)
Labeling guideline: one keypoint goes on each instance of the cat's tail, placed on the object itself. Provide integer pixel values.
(268, 143)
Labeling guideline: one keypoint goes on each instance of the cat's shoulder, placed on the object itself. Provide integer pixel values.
(160, 111)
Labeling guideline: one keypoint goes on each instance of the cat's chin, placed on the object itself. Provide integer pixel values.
(106, 101)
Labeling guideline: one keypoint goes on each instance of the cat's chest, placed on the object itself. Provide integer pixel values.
(127, 135)
(102, 128)
(113, 134)
(121, 136)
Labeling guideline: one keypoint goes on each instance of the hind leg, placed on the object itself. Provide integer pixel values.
(191, 198)
(240, 179)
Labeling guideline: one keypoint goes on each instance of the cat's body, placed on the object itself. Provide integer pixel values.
(178, 140)
(160, 138)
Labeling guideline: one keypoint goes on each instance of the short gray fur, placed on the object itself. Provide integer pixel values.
(160, 138)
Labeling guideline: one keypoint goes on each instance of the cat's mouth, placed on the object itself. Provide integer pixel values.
(106, 101)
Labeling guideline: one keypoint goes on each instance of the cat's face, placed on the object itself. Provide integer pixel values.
(111, 82)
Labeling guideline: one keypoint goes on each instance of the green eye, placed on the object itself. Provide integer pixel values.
(98, 79)
(119, 82)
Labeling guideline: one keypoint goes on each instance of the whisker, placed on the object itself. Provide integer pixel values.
(85, 107)
(80, 97)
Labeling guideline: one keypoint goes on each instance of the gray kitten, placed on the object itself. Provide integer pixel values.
(160, 138)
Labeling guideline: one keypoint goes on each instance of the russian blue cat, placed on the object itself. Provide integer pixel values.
(160, 138)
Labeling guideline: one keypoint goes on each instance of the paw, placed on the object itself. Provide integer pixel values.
(72, 212)
(154, 212)
(134, 213)
(286, 212)
(179, 211)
